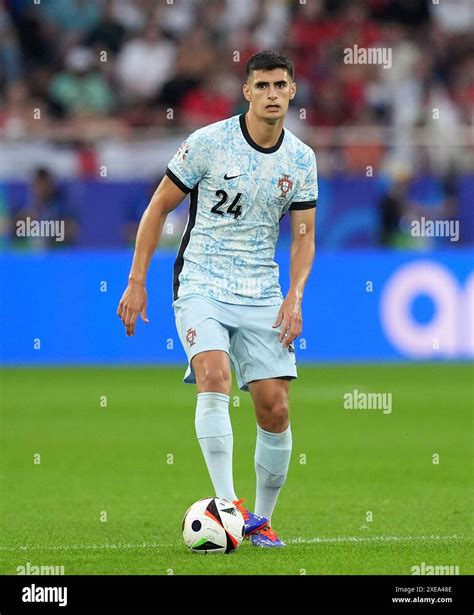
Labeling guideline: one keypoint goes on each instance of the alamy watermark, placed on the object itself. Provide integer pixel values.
(33, 593)
(356, 400)
(426, 569)
(370, 55)
(29, 569)
(45, 594)
(40, 228)
(435, 228)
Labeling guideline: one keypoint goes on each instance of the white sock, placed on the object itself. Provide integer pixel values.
(214, 432)
(272, 459)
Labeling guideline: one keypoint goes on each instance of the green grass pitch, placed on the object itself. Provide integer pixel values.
(363, 495)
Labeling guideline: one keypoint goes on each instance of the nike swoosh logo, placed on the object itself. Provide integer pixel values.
(232, 176)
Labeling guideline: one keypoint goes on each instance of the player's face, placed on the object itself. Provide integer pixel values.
(269, 93)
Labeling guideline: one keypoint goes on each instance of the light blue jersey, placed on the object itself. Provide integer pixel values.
(239, 193)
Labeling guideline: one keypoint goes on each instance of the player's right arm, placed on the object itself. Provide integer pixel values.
(133, 302)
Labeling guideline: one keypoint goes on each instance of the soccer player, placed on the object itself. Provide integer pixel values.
(243, 174)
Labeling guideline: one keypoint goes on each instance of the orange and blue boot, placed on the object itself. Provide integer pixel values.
(253, 522)
(266, 537)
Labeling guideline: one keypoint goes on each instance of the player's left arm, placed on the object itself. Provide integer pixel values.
(302, 254)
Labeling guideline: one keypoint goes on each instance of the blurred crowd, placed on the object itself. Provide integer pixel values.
(77, 71)
(117, 65)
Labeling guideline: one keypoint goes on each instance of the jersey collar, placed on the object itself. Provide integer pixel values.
(251, 142)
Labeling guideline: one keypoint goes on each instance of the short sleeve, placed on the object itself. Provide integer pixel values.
(189, 165)
(307, 195)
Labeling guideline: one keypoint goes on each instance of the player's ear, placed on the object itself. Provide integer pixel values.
(292, 90)
(246, 91)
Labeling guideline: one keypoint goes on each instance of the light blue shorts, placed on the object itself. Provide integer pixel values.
(244, 332)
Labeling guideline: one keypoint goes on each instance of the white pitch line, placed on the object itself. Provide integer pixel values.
(349, 539)
(291, 541)
(87, 547)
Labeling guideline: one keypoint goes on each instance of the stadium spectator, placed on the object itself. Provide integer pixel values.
(81, 89)
(331, 106)
(395, 206)
(408, 199)
(109, 33)
(47, 202)
(132, 14)
(145, 63)
(16, 115)
(208, 102)
(454, 16)
(73, 18)
(187, 75)
(414, 14)
(179, 19)
(11, 61)
(38, 38)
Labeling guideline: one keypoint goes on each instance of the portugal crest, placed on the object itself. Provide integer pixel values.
(285, 184)
(191, 336)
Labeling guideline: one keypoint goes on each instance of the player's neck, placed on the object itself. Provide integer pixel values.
(263, 134)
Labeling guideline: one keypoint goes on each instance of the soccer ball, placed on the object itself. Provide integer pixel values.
(213, 525)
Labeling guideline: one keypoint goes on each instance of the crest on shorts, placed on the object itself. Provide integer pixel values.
(285, 184)
(191, 336)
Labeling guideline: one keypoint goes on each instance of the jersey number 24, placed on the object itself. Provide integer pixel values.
(233, 208)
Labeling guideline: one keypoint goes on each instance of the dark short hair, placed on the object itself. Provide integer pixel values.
(269, 60)
(42, 173)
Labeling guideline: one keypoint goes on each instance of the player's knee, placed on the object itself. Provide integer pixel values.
(213, 378)
(274, 414)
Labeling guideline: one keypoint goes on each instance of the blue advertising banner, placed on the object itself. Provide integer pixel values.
(60, 308)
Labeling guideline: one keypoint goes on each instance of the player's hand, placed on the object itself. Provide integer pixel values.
(290, 318)
(132, 303)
